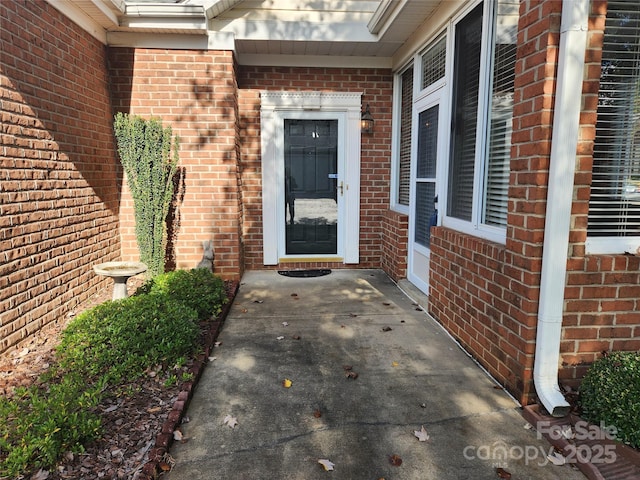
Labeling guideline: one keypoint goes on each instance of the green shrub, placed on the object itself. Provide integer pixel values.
(38, 425)
(197, 288)
(610, 393)
(121, 339)
(149, 155)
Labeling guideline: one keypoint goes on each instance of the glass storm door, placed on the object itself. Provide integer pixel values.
(311, 186)
(424, 213)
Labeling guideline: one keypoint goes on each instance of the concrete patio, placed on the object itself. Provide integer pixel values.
(410, 374)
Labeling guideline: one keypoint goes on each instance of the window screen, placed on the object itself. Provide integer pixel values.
(614, 206)
(434, 62)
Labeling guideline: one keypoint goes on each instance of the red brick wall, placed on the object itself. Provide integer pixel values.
(394, 244)
(602, 310)
(59, 190)
(486, 294)
(375, 156)
(195, 93)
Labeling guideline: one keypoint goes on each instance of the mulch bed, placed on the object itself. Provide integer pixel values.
(137, 429)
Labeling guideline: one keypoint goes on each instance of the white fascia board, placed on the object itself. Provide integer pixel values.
(106, 11)
(77, 16)
(330, 61)
(213, 8)
(384, 15)
(221, 41)
(164, 10)
(164, 23)
(155, 40)
(294, 31)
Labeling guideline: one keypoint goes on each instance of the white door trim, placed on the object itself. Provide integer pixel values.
(274, 107)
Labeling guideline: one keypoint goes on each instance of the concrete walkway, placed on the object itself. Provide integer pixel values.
(409, 374)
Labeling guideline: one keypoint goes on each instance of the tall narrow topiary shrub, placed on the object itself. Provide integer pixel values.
(149, 155)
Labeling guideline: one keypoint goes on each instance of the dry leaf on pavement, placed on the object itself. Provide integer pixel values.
(421, 434)
(326, 464)
(502, 473)
(230, 421)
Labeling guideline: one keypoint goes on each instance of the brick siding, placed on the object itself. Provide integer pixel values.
(195, 93)
(487, 295)
(59, 188)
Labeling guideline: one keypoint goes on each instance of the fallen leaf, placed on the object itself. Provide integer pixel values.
(352, 374)
(567, 432)
(394, 364)
(230, 421)
(178, 436)
(40, 475)
(557, 458)
(317, 413)
(164, 466)
(286, 383)
(395, 460)
(244, 310)
(352, 315)
(296, 337)
(502, 473)
(285, 324)
(280, 337)
(326, 464)
(386, 329)
(421, 434)
(154, 409)
(347, 367)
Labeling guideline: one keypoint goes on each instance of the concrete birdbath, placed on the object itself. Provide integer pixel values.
(120, 272)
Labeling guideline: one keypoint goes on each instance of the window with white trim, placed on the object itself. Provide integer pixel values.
(614, 206)
(404, 134)
(481, 119)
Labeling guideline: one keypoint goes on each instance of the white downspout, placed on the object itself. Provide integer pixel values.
(566, 120)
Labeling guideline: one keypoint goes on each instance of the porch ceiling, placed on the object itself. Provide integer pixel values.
(274, 32)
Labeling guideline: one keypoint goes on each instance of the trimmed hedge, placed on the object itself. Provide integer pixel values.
(197, 288)
(610, 393)
(101, 350)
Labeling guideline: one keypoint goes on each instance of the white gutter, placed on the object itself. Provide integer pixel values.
(573, 43)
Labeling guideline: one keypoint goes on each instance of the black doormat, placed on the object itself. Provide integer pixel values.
(305, 273)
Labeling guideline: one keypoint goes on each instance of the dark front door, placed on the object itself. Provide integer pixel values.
(310, 185)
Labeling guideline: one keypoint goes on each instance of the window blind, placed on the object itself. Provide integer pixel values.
(466, 81)
(406, 101)
(496, 182)
(614, 205)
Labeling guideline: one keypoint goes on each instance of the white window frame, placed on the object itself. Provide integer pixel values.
(475, 227)
(395, 137)
(602, 245)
